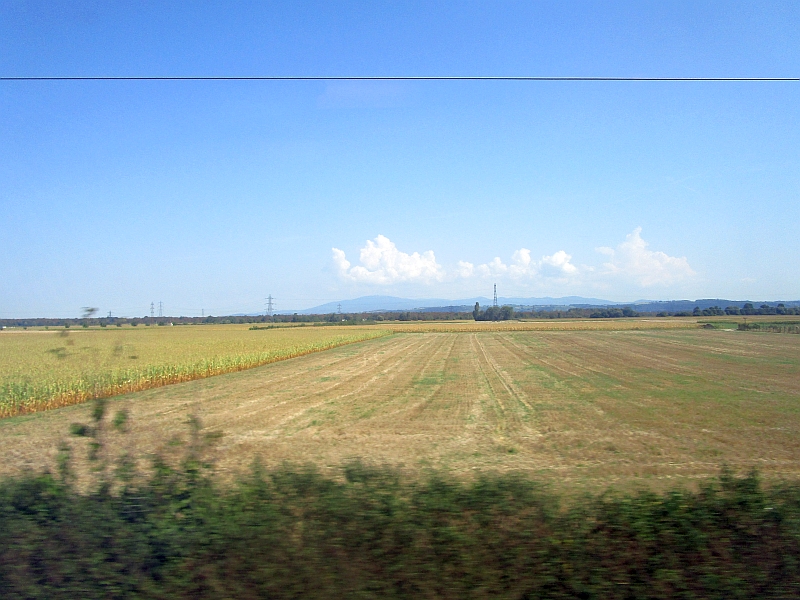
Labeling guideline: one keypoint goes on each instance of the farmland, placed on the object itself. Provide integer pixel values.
(43, 369)
(582, 407)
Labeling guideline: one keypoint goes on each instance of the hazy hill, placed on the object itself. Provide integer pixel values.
(394, 303)
(387, 303)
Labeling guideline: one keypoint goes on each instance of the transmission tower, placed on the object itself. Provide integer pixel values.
(160, 308)
(339, 308)
(152, 309)
(270, 305)
(495, 294)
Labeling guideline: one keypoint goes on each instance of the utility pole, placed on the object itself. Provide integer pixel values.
(160, 308)
(152, 310)
(495, 294)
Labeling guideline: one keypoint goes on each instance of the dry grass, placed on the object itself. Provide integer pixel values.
(40, 370)
(577, 408)
(540, 325)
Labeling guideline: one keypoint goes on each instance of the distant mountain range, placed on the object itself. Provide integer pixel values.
(393, 303)
(688, 305)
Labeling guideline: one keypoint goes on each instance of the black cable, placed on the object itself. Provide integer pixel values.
(384, 78)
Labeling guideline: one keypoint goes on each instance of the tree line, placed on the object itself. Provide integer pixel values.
(764, 309)
(491, 313)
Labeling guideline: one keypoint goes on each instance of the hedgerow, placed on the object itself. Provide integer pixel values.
(290, 532)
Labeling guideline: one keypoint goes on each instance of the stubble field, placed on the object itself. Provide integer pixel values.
(581, 408)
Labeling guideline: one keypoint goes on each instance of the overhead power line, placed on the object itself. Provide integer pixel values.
(376, 78)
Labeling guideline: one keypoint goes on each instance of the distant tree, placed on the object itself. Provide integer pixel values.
(612, 313)
(766, 309)
(732, 310)
(748, 309)
(493, 313)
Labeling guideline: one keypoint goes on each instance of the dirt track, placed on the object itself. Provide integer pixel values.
(570, 406)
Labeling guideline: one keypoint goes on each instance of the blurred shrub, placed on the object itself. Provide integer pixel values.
(292, 533)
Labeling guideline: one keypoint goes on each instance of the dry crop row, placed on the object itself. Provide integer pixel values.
(548, 325)
(43, 370)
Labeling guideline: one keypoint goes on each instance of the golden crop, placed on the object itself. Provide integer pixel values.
(539, 325)
(48, 369)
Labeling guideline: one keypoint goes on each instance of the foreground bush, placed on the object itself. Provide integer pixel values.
(295, 534)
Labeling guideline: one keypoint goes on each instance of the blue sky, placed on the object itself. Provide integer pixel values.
(212, 195)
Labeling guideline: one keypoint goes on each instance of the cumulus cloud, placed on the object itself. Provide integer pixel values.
(523, 266)
(340, 260)
(382, 263)
(558, 264)
(494, 268)
(633, 260)
(465, 269)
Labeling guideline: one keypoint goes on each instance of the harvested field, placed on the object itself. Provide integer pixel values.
(573, 407)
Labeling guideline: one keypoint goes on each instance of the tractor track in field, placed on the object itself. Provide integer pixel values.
(503, 377)
(352, 378)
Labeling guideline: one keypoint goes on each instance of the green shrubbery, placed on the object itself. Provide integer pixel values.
(777, 327)
(292, 533)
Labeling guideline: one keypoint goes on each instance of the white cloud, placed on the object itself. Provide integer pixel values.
(631, 259)
(558, 264)
(630, 262)
(523, 266)
(340, 260)
(492, 269)
(465, 269)
(383, 263)
(522, 257)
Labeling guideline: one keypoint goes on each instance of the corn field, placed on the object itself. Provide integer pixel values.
(40, 370)
(539, 325)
